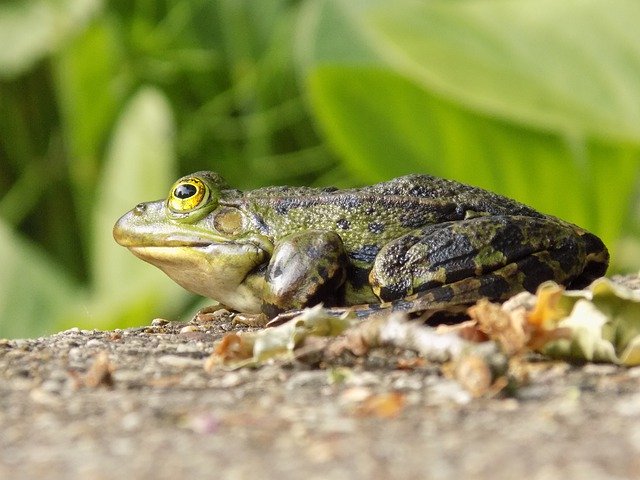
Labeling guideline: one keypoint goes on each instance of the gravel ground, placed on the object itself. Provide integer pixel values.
(138, 403)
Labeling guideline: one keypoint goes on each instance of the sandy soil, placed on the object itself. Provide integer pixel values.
(139, 404)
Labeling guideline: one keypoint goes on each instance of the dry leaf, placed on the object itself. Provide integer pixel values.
(100, 372)
(385, 405)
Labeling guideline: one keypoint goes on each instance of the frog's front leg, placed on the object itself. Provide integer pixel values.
(306, 268)
(500, 255)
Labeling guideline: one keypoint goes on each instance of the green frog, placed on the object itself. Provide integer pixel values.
(414, 243)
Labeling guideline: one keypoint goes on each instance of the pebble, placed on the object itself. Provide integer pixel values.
(447, 391)
(189, 329)
(304, 378)
(355, 394)
(408, 382)
(362, 379)
(232, 379)
(179, 361)
(20, 343)
(189, 347)
(131, 421)
(600, 369)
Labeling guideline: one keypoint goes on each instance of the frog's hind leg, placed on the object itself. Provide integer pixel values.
(487, 256)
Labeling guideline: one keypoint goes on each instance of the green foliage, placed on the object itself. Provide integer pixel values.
(103, 104)
(522, 98)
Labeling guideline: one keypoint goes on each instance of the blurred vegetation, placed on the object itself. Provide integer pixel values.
(104, 104)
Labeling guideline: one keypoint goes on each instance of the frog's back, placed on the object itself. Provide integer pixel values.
(375, 214)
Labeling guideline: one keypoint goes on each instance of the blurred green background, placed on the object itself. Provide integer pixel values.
(104, 104)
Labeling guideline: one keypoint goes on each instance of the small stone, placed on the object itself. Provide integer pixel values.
(304, 378)
(203, 423)
(20, 343)
(355, 394)
(131, 421)
(179, 361)
(188, 348)
(189, 329)
(43, 397)
(159, 322)
(363, 379)
(600, 369)
(408, 382)
(232, 379)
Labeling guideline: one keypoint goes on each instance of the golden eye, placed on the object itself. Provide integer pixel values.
(187, 195)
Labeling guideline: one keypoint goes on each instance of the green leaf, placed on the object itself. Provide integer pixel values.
(90, 90)
(140, 166)
(604, 325)
(31, 29)
(405, 129)
(569, 66)
(33, 291)
(458, 89)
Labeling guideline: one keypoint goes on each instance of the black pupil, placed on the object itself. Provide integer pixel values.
(185, 191)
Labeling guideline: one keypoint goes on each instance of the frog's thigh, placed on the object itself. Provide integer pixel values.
(540, 249)
(306, 268)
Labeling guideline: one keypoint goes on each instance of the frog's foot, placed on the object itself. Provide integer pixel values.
(290, 314)
(283, 318)
(210, 313)
(250, 319)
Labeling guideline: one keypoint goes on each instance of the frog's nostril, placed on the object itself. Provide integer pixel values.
(140, 209)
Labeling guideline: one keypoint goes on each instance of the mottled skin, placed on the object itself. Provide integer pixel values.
(414, 243)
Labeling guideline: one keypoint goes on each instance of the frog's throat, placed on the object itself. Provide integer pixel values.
(220, 271)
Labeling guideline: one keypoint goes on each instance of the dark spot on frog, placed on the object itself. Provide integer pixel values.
(349, 202)
(566, 255)
(315, 252)
(428, 286)
(493, 286)
(358, 276)
(536, 272)
(425, 214)
(394, 291)
(420, 191)
(261, 224)
(376, 227)
(369, 211)
(366, 253)
(322, 271)
(443, 294)
(508, 237)
(283, 206)
(451, 250)
(277, 270)
(343, 224)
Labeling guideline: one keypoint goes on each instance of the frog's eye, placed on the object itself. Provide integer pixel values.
(187, 195)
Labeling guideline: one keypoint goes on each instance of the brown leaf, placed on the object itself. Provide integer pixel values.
(232, 347)
(100, 372)
(384, 405)
(508, 328)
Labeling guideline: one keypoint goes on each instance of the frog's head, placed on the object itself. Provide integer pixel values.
(203, 244)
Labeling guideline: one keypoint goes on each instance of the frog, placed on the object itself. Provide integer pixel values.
(415, 243)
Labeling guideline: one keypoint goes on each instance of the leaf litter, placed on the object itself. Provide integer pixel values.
(484, 354)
